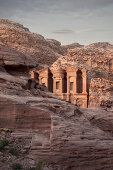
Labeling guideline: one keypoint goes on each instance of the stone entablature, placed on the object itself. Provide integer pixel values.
(69, 84)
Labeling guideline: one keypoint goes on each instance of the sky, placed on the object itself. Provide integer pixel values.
(68, 21)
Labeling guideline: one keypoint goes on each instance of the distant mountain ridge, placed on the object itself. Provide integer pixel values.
(44, 51)
(101, 45)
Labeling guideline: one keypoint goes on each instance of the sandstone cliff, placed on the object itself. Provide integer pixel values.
(42, 126)
(22, 40)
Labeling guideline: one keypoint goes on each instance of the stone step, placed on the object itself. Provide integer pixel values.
(41, 147)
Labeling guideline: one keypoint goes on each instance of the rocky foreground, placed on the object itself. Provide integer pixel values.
(46, 128)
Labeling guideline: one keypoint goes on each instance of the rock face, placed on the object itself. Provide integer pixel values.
(101, 90)
(98, 61)
(20, 116)
(64, 136)
(30, 44)
(71, 46)
(12, 58)
(43, 126)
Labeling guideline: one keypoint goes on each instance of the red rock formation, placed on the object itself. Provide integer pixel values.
(77, 139)
(101, 91)
(30, 44)
(50, 128)
(20, 116)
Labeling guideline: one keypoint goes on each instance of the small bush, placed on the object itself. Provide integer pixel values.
(2, 160)
(3, 143)
(16, 166)
(40, 164)
(14, 151)
(1, 147)
(9, 131)
(32, 168)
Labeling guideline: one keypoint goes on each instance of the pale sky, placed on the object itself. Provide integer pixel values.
(68, 21)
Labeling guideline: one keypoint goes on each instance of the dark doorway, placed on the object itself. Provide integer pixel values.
(50, 82)
(36, 76)
(65, 83)
(79, 81)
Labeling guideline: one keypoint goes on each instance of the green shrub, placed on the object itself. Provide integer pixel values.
(9, 131)
(3, 143)
(14, 151)
(16, 166)
(40, 164)
(32, 168)
(1, 147)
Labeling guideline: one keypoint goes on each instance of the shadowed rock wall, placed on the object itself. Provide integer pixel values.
(20, 116)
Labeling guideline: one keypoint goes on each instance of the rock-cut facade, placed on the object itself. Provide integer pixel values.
(69, 84)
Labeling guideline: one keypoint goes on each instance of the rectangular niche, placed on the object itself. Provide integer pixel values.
(71, 86)
(57, 85)
(43, 81)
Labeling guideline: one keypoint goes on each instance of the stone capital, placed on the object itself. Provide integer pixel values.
(83, 75)
(83, 70)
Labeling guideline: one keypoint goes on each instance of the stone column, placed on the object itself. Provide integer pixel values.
(75, 82)
(84, 83)
(31, 74)
(54, 85)
(46, 82)
(112, 65)
(58, 75)
(61, 85)
(68, 87)
(68, 84)
(40, 80)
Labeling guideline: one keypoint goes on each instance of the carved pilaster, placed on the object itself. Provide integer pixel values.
(54, 85)
(58, 76)
(31, 74)
(84, 81)
(75, 84)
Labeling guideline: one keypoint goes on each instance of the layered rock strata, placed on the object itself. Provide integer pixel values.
(60, 133)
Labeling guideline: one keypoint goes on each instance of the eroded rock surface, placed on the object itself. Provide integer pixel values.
(30, 44)
(63, 134)
(40, 124)
(101, 91)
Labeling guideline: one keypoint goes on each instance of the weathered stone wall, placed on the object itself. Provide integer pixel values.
(21, 116)
(101, 93)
